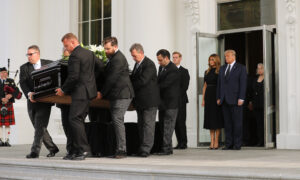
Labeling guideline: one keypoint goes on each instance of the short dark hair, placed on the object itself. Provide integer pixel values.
(138, 47)
(164, 53)
(113, 41)
(69, 36)
(35, 47)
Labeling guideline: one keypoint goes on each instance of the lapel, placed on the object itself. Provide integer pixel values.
(30, 68)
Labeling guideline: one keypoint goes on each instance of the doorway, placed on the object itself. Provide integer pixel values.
(253, 46)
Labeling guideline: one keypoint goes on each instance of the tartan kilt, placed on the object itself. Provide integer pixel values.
(8, 119)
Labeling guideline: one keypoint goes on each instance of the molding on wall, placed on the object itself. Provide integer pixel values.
(192, 11)
(291, 21)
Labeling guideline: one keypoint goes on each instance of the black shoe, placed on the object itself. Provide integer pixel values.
(236, 148)
(52, 153)
(68, 156)
(32, 155)
(120, 154)
(2, 143)
(183, 147)
(162, 153)
(143, 154)
(80, 156)
(227, 148)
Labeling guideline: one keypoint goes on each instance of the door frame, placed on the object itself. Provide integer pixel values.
(263, 28)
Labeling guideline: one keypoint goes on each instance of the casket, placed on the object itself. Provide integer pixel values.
(51, 77)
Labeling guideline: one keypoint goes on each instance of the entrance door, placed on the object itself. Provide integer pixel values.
(269, 107)
(207, 44)
(253, 45)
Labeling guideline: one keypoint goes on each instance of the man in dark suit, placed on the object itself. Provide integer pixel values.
(118, 90)
(180, 127)
(81, 85)
(231, 92)
(39, 113)
(146, 101)
(168, 82)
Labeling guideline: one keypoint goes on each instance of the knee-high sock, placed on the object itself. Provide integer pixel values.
(7, 132)
(1, 133)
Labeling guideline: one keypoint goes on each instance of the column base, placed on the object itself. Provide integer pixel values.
(288, 141)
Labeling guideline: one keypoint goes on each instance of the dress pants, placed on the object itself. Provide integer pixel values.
(39, 114)
(78, 112)
(146, 128)
(233, 123)
(65, 110)
(180, 127)
(167, 121)
(118, 110)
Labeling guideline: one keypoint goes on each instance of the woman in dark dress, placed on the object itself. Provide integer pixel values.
(212, 112)
(258, 103)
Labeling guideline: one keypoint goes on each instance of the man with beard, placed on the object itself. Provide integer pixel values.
(118, 90)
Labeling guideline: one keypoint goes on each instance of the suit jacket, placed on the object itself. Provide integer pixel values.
(26, 81)
(144, 81)
(81, 83)
(184, 84)
(169, 82)
(234, 87)
(11, 83)
(117, 83)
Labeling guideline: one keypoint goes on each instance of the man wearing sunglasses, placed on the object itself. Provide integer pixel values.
(39, 113)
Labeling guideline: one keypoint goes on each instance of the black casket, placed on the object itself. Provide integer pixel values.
(51, 77)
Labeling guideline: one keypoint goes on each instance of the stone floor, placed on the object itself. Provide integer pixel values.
(248, 163)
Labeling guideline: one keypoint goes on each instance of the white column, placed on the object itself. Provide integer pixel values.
(288, 29)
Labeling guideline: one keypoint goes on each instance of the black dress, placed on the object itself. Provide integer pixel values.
(258, 106)
(212, 112)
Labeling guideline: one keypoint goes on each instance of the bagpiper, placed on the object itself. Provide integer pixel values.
(8, 93)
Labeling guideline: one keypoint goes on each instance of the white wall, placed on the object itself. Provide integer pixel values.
(288, 30)
(25, 23)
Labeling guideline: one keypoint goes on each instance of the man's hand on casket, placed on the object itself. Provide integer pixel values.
(30, 96)
(99, 95)
(59, 92)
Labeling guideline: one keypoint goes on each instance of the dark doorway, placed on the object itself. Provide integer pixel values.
(249, 51)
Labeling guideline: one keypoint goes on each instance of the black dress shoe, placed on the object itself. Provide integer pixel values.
(120, 154)
(236, 148)
(2, 143)
(162, 153)
(183, 147)
(69, 156)
(7, 144)
(52, 153)
(80, 156)
(32, 155)
(143, 154)
(227, 148)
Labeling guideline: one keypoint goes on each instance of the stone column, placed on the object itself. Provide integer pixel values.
(288, 30)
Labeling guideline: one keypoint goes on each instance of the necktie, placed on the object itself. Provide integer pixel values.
(228, 71)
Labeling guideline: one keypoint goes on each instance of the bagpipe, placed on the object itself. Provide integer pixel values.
(10, 88)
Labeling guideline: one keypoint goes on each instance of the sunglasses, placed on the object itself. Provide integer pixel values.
(30, 54)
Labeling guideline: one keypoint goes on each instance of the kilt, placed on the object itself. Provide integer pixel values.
(8, 119)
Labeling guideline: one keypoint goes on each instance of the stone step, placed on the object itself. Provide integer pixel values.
(65, 170)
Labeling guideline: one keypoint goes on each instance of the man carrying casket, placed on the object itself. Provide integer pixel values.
(39, 113)
(81, 85)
